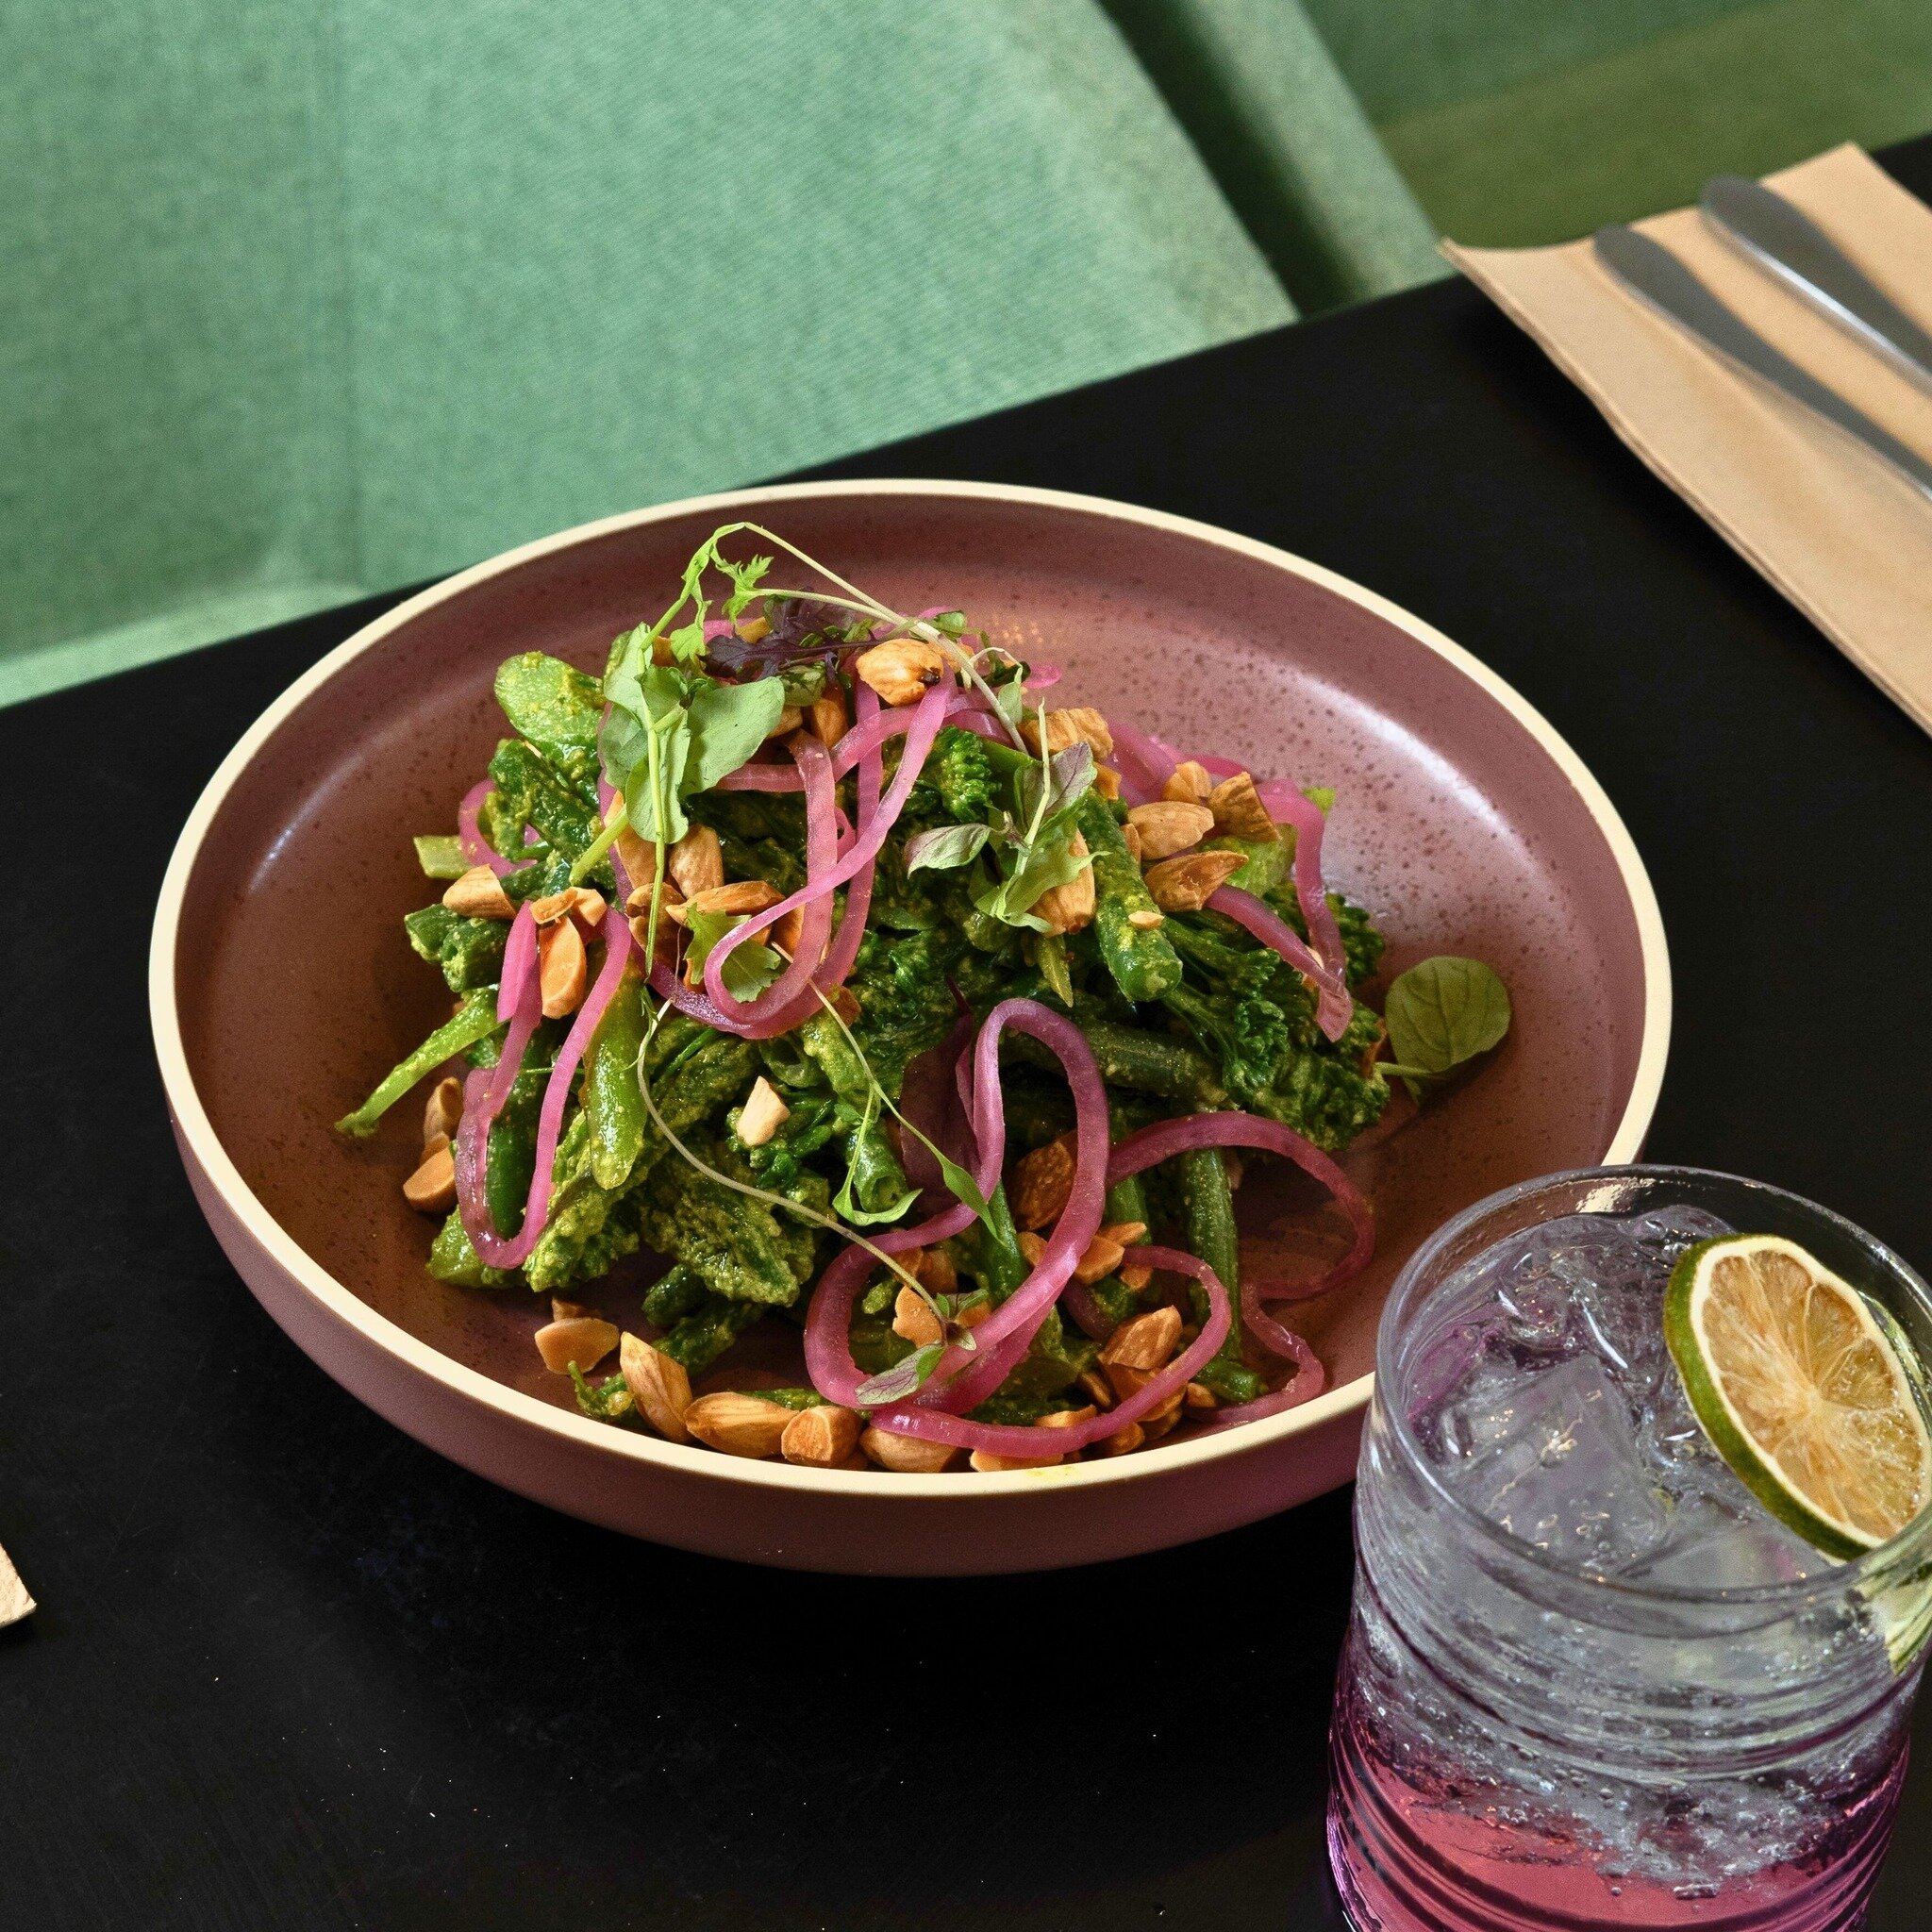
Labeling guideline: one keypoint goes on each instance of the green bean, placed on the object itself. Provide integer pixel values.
(1208, 1204)
(475, 1019)
(676, 1293)
(1143, 963)
(1125, 1200)
(788, 1398)
(619, 1125)
(1002, 1266)
(1157, 1063)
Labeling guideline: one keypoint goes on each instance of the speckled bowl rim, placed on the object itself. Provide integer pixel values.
(192, 1122)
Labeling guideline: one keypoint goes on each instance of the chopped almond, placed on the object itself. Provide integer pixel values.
(901, 670)
(1033, 1246)
(739, 1424)
(1043, 1181)
(1075, 724)
(443, 1112)
(1122, 1443)
(432, 1189)
(1170, 827)
(1100, 1259)
(1136, 1275)
(696, 861)
(561, 1311)
(754, 629)
(788, 721)
(936, 1271)
(1098, 1388)
(1238, 811)
(844, 1002)
(828, 716)
(820, 1438)
(1107, 781)
(1070, 907)
(988, 1462)
(658, 1383)
(1186, 884)
(1190, 783)
(639, 858)
(907, 1454)
(1145, 919)
(585, 1340)
(1125, 1232)
(913, 1318)
(1199, 1397)
(562, 968)
(1145, 1342)
(478, 894)
(741, 896)
(1131, 838)
(763, 1115)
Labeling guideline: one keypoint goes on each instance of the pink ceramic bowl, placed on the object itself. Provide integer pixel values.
(281, 985)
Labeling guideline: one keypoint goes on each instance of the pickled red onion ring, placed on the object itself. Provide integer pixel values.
(1008, 1438)
(1308, 1381)
(1333, 1007)
(476, 847)
(1164, 1139)
(488, 1090)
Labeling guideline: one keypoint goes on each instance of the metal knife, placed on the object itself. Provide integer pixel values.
(1790, 245)
(1656, 277)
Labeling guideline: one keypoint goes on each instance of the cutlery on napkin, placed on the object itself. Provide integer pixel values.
(1839, 532)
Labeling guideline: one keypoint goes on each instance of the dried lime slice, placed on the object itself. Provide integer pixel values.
(1803, 1390)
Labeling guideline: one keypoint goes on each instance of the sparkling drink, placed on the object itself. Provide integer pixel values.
(1590, 1680)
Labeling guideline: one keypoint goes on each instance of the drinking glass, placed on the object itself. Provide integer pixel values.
(1711, 1734)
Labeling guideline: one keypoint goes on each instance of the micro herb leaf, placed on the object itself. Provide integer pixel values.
(729, 722)
(1068, 776)
(745, 579)
(440, 856)
(1010, 700)
(1040, 867)
(903, 1379)
(651, 792)
(944, 846)
(1051, 955)
(748, 969)
(1442, 1013)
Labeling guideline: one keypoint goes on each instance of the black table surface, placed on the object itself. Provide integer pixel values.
(290, 1670)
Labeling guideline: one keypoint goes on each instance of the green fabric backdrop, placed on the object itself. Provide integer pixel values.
(304, 302)
(308, 301)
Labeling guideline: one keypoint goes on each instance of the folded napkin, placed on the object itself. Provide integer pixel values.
(14, 1601)
(1838, 531)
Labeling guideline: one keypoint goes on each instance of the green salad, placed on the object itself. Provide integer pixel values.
(815, 972)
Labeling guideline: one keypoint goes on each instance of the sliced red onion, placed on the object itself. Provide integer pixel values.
(1145, 763)
(476, 847)
(964, 1377)
(1165, 1139)
(1006, 1438)
(824, 878)
(1308, 1381)
(1287, 804)
(1333, 1007)
(488, 1090)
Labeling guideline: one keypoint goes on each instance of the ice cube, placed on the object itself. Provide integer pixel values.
(1711, 1544)
(1668, 1231)
(1563, 1470)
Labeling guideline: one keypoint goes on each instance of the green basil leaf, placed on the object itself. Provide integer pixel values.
(729, 722)
(1444, 1012)
(944, 846)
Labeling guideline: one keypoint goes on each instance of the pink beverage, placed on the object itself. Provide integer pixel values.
(1589, 1681)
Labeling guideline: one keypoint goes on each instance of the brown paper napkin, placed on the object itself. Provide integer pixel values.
(1841, 534)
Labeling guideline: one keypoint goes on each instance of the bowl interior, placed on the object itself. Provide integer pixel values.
(1453, 823)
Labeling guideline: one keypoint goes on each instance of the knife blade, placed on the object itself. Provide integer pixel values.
(1790, 244)
(1658, 279)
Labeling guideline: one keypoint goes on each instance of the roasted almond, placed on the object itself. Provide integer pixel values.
(561, 968)
(988, 1463)
(1033, 1246)
(788, 721)
(901, 670)
(1125, 1232)
(561, 1311)
(443, 1112)
(1233, 1166)
(1145, 1341)
(1101, 1257)
(1131, 838)
(1122, 1443)
(657, 1385)
(1136, 1275)
(738, 1425)
(1199, 1397)
(1144, 918)
(907, 1454)
(754, 629)
(639, 858)
(763, 1115)
(913, 1318)
(1186, 884)
(1162, 1410)
(1041, 1182)
(821, 1438)
(667, 936)
(936, 1271)
(1152, 1431)
(971, 1314)
(1238, 811)
(789, 931)
(1190, 783)
(432, 1189)
(1099, 1391)
(1070, 907)
(1107, 781)
(1075, 724)
(585, 1340)
(696, 861)
(741, 896)
(584, 902)
(828, 717)
(1170, 827)
(478, 894)
(639, 900)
